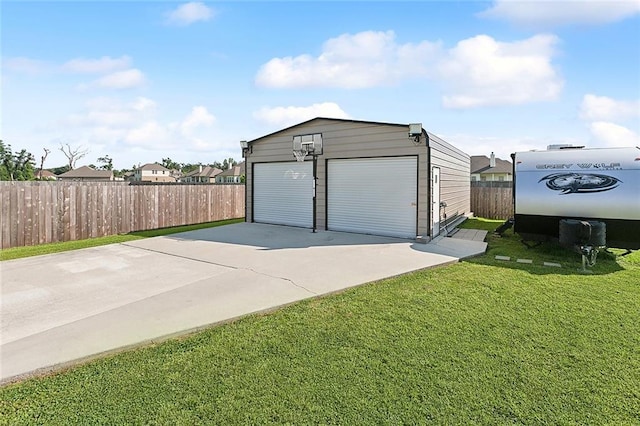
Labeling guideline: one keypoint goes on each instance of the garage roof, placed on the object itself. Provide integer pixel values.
(329, 119)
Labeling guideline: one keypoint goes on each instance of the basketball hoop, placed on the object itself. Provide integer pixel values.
(300, 154)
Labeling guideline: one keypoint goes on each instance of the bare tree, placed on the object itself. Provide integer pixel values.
(44, 157)
(73, 154)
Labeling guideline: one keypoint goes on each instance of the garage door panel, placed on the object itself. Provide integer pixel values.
(283, 193)
(373, 196)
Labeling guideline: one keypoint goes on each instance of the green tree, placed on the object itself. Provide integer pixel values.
(186, 168)
(228, 163)
(25, 164)
(60, 170)
(107, 163)
(6, 162)
(20, 166)
(120, 173)
(170, 164)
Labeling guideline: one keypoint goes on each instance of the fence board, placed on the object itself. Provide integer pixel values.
(492, 200)
(72, 221)
(28, 215)
(43, 212)
(5, 208)
(20, 215)
(39, 212)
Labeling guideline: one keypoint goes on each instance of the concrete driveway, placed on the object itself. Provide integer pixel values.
(61, 308)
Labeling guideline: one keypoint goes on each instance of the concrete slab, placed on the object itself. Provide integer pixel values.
(60, 308)
(470, 234)
(455, 247)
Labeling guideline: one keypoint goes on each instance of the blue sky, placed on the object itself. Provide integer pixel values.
(141, 81)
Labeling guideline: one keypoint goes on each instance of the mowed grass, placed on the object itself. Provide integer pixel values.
(28, 251)
(478, 342)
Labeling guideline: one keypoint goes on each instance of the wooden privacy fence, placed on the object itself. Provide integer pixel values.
(492, 200)
(44, 212)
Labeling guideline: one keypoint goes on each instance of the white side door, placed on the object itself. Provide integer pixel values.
(435, 199)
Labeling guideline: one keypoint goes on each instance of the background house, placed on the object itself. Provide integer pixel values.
(86, 173)
(202, 174)
(45, 175)
(152, 172)
(490, 169)
(373, 178)
(232, 175)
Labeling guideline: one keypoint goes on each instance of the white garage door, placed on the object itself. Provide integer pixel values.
(373, 196)
(283, 193)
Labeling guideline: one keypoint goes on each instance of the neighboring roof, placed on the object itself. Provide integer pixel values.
(153, 166)
(46, 174)
(480, 164)
(343, 120)
(87, 172)
(207, 171)
(237, 170)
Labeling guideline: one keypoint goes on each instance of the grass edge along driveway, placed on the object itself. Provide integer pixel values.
(478, 342)
(27, 251)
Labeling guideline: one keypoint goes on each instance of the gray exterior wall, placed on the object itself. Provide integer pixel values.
(344, 139)
(455, 176)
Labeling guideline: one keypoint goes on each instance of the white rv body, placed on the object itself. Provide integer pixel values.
(595, 184)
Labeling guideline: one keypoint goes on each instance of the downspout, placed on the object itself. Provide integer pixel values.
(245, 156)
(429, 194)
(315, 186)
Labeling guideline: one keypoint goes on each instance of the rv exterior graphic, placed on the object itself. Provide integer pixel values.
(599, 184)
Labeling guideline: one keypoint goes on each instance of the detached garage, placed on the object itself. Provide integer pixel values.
(387, 179)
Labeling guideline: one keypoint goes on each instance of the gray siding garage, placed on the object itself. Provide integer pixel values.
(370, 178)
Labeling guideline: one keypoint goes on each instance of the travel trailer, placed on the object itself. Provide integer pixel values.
(564, 192)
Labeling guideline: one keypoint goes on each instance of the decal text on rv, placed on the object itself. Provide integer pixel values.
(553, 166)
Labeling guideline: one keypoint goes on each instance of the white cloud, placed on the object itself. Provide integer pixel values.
(127, 79)
(361, 60)
(481, 71)
(602, 108)
(199, 117)
(25, 65)
(287, 116)
(604, 115)
(143, 104)
(137, 124)
(148, 134)
(188, 13)
(101, 65)
(111, 113)
(613, 135)
(555, 13)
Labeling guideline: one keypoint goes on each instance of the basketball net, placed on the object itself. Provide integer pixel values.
(300, 154)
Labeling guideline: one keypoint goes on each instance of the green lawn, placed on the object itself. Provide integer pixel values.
(20, 252)
(478, 342)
